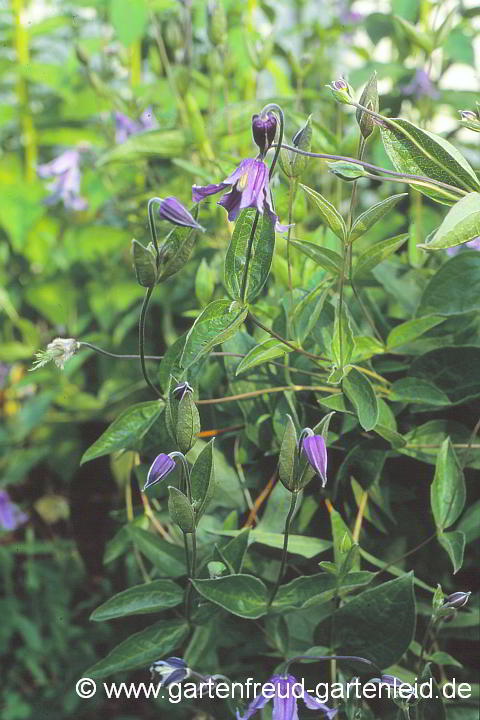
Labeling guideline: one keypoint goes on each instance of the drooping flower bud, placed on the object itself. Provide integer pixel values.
(369, 100)
(172, 210)
(182, 417)
(171, 670)
(470, 120)
(341, 91)
(315, 449)
(456, 600)
(264, 128)
(160, 468)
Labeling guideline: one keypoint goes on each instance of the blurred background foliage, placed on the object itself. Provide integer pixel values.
(67, 70)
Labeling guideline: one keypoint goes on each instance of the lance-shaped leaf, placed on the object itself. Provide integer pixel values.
(260, 260)
(359, 391)
(288, 458)
(177, 248)
(329, 214)
(343, 342)
(454, 544)
(202, 478)
(453, 290)
(371, 216)
(420, 152)
(140, 600)
(265, 351)
(377, 253)
(326, 258)
(461, 224)
(447, 492)
(421, 39)
(218, 322)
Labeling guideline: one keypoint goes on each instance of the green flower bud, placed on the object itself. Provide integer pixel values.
(470, 120)
(182, 418)
(369, 100)
(346, 170)
(341, 91)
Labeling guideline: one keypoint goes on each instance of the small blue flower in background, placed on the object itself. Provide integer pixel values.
(421, 86)
(160, 468)
(125, 126)
(284, 690)
(315, 449)
(171, 670)
(473, 244)
(10, 514)
(66, 186)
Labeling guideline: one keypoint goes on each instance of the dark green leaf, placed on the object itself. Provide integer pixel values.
(417, 390)
(177, 248)
(454, 544)
(411, 329)
(140, 600)
(447, 492)
(242, 595)
(169, 559)
(360, 392)
(329, 214)
(180, 510)
(453, 370)
(202, 478)
(454, 289)
(377, 253)
(303, 592)
(218, 322)
(371, 216)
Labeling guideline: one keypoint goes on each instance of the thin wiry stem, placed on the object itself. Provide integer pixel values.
(141, 340)
(286, 531)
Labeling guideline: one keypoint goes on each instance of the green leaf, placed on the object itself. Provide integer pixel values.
(342, 538)
(447, 492)
(140, 600)
(302, 545)
(421, 39)
(360, 392)
(242, 595)
(424, 440)
(377, 253)
(411, 329)
(329, 214)
(371, 216)
(386, 426)
(129, 19)
(180, 510)
(443, 658)
(202, 478)
(418, 152)
(288, 462)
(417, 390)
(454, 544)
(235, 550)
(460, 225)
(177, 248)
(453, 290)
(378, 624)
(327, 259)
(454, 370)
(470, 522)
(303, 592)
(144, 264)
(169, 559)
(126, 430)
(343, 342)
(265, 351)
(142, 648)
(218, 322)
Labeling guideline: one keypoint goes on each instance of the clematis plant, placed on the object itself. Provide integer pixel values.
(284, 691)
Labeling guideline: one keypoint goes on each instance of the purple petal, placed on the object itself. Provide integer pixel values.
(200, 192)
(10, 514)
(284, 702)
(313, 703)
(59, 165)
(147, 119)
(231, 202)
(244, 167)
(257, 704)
(160, 468)
(316, 452)
(253, 195)
(175, 677)
(172, 210)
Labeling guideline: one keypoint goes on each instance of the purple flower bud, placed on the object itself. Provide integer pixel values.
(456, 600)
(406, 691)
(10, 514)
(171, 670)
(181, 389)
(264, 128)
(161, 467)
(172, 210)
(314, 448)
(468, 115)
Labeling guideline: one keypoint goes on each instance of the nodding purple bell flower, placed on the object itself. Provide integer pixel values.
(160, 468)
(264, 128)
(421, 86)
(249, 188)
(10, 514)
(171, 670)
(472, 244)
(285, 691)
(315, 449)
(181, 389)
(172, 210)
(65, 169)
(456, 600)
(125, 126)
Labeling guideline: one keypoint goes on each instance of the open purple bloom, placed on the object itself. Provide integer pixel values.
(314, 448)
(66, 186)
(285, 692)
(172, 210)
(472, 244)
(10, 514)
(421, 85)
(249, 183)
(160, 468)
(171, 670)
(125, 126)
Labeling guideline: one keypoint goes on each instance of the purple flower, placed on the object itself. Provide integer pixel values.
(285, 691)
(172, 210)
(125, 126)
(10, 514)
(421, 85)
(456, 600)
(473, 244)
(160, 468)
(264, 128)
(66, 170)
(171, 670)
(314, 448)
(249, 189)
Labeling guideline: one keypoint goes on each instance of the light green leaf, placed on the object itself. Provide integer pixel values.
(129, 19)
(377, 253)
(421, 39)
(169, 559)
(126, 431)
(177, 248)
(218, 322)
(454, 289)
(371, 216)
(140, 600)
(266, 350)
(460, 225)
(411, 330)
(303, 592)
(142, 648)
(202, 478)
(327, 259)
(242, 595)
(447, 492)
(417, 390)
(302, 545)
(329, 214)
(343, 342)
(454, 544)
(360, 392)
(144, 264)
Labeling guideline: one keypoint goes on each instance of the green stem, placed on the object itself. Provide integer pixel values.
(291, 194)
(141, 340)
(284, 340)
(286, 531)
